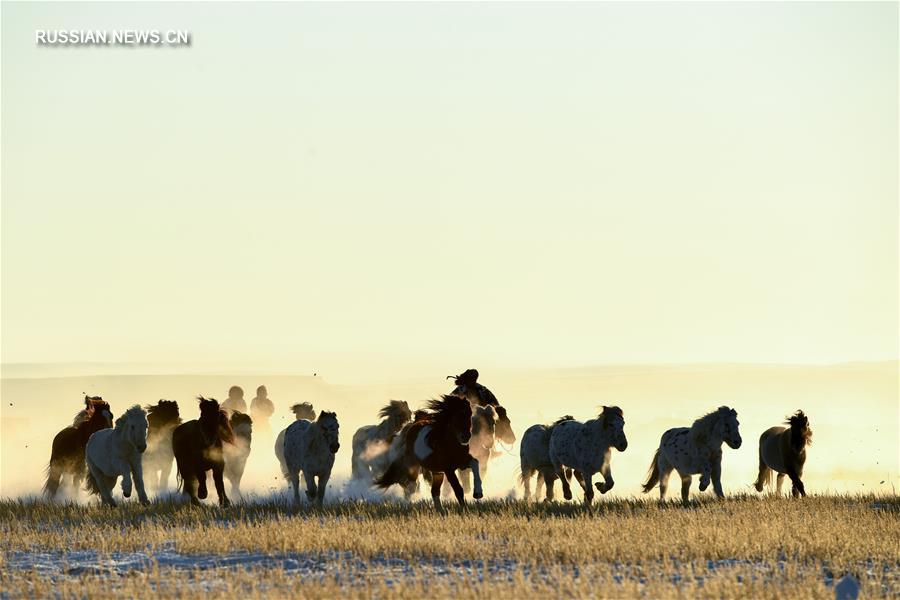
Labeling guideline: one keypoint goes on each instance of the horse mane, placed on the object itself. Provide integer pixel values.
(326, 415)
(607, 412)
(562, 419)
(91, 403)
(129, 414)
(221, 426)
(440, 410)
(702, 427)
(304, 408)
(801, 434)
(238, 418)
(396, 410)
(163, 413)
(98, 407)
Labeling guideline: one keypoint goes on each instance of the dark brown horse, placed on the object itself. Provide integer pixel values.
(163, 418)
(438, 441)
(783, 450)
(197, 446)
(67, 453)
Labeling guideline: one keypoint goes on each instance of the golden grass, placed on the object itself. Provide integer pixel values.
(745, 546)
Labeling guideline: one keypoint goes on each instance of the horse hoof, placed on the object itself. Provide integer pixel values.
(195, 502)
(145, 502)
(704, 485)
(567, 495)
(203, 494)
(127, 494)
(478, 495)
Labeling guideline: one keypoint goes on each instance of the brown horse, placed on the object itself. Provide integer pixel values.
(163, 418)
(197, 446)
(783, 450)
(67, 453)
(438, 441)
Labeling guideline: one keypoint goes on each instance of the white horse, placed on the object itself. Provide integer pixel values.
(534, 457)
(695, 450)
(370, 442)
(236, 454)
(117, 451)
(310, 446)
(585, 448)
(303, 410)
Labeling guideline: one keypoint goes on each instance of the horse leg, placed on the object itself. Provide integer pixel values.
(579, 477)
(323, 481)
(457, 488)
(53, 478)
(311, 489)
(437, 479)
(294, 478)
(465, 479)
(126, 483)
(538, 485)
(548, 476)
(526, 483)
(202, 491)
(137, 472)
(220, 485)
(778, 482)
(797, 488)
(763, 472)
(685, 489)
(567, 490)
(608, 482)
(705, 476)
(717, 479)
(477, 492)
(588, 486)
(665, 471)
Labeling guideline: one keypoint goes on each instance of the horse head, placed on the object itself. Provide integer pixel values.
(503, 427)
(801, 434)
(727, 427)
(454, 415)
(99, 414)
(397, 414)
(133, 426)
(211, 417)
(163, 413)
(241, 425)
(613, 424)
(328, 423)
(304, 410)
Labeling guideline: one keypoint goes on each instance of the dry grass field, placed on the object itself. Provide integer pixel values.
(743, 547)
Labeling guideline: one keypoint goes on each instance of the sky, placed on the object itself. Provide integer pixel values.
(397, 185)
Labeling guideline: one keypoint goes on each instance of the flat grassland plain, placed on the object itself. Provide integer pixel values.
(743, 547)
(365, 544)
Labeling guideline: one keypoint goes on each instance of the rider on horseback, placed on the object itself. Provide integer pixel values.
(467, 387)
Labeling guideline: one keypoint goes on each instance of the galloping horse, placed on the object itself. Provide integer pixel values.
(585, 448)
(437, 441)
(158, 458)
(534, 457)
(310, 446)
(784, 450)
(114, 452)
(236, 454)
(67, 453)
(197, 445)
(693, 450)
(371, 441)
(303, 410)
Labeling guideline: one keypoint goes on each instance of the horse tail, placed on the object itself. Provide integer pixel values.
(395, 473)
(652, 474)
(90, 484)
(53, 474)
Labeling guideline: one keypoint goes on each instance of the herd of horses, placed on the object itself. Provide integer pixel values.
(451, 440)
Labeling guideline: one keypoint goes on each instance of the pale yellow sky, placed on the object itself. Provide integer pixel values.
(466, 184)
